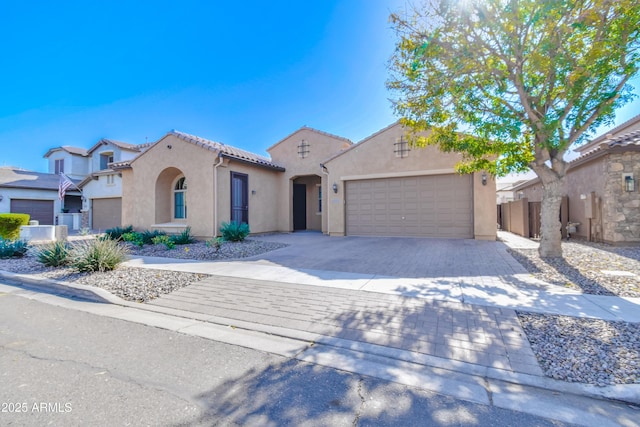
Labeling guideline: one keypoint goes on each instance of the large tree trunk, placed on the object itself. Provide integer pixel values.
(550, 225)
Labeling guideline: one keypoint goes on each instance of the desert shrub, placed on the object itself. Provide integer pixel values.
(10, 225)
(133, 237)
(13, 248)
(164, 240)
(53, 254)
(215, 243)
(84, 231)
(116, 233)
(97, 255)
(183, 238)
(234, 232)
(149, 235)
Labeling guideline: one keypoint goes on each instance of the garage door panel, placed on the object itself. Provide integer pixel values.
(106, 213)
(38, 210)
(426, 206)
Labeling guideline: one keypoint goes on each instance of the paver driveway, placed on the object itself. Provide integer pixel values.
(439, 326)
(392, 256)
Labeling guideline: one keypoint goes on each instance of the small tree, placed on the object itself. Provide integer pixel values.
(512, 84)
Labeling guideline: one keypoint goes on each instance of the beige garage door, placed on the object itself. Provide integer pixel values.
(107, 213)
(423, 206)
(39, 210)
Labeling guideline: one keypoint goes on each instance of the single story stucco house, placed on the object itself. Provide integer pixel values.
(312, 181)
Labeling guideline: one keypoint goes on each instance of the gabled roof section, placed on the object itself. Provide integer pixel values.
(76, 151)
(358, 144)
(223, 150)
(119, 144)
(227, 150)
(20, 178)
(631, 123)
(303, 128)
(524, 184)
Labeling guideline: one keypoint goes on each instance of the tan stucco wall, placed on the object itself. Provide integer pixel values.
(148, 186)
(375, 158)
(148, 198)
(584, 179)
(321, 147)
(263, 195)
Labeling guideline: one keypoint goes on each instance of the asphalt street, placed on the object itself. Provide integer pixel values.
(65, 367)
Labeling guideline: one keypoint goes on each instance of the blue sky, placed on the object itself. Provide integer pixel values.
(242, 73)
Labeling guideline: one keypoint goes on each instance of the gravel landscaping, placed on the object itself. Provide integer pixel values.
(586, 350)
(596, 269)
(200, 250)
(142, 284)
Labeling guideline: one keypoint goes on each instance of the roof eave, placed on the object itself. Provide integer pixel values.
(251, 162)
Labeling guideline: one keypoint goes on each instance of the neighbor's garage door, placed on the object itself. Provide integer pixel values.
(106, 213)
(40, 210)
(422, 206)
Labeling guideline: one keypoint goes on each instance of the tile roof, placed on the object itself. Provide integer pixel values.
(633, 123)
(19, 178)
(69, 149)
(226, 150)
(119, 144)
(629, 139)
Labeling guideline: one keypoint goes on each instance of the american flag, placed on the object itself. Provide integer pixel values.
(65, 183)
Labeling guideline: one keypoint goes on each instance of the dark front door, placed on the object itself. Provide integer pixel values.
(299, 207)
(239, 198)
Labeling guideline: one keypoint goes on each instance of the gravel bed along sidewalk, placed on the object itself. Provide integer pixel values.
(200, 250)
(573, 349)
(592, 268)
(142, 284)
(582, 350)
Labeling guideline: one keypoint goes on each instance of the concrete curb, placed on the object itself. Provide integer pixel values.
(628, 393)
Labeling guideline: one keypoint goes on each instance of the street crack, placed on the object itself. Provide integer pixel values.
(356, 420)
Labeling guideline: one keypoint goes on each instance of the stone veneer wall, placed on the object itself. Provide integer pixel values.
(621, 209)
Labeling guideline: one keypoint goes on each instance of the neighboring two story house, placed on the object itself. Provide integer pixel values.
(101, 201)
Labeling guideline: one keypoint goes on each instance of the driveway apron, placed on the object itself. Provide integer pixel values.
(487, 336)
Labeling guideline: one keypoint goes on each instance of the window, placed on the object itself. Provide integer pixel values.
(319, 198)
(59, 166)
(110, 179)
(105, 159)
(180, 199)
(401, 147)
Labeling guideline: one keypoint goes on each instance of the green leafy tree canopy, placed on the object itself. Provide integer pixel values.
(512, 84)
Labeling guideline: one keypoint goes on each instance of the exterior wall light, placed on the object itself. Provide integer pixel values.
(484, 178)
(629, 182)
(335, 187)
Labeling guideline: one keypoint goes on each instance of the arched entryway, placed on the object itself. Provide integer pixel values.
(171, 197)
(307, 203)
